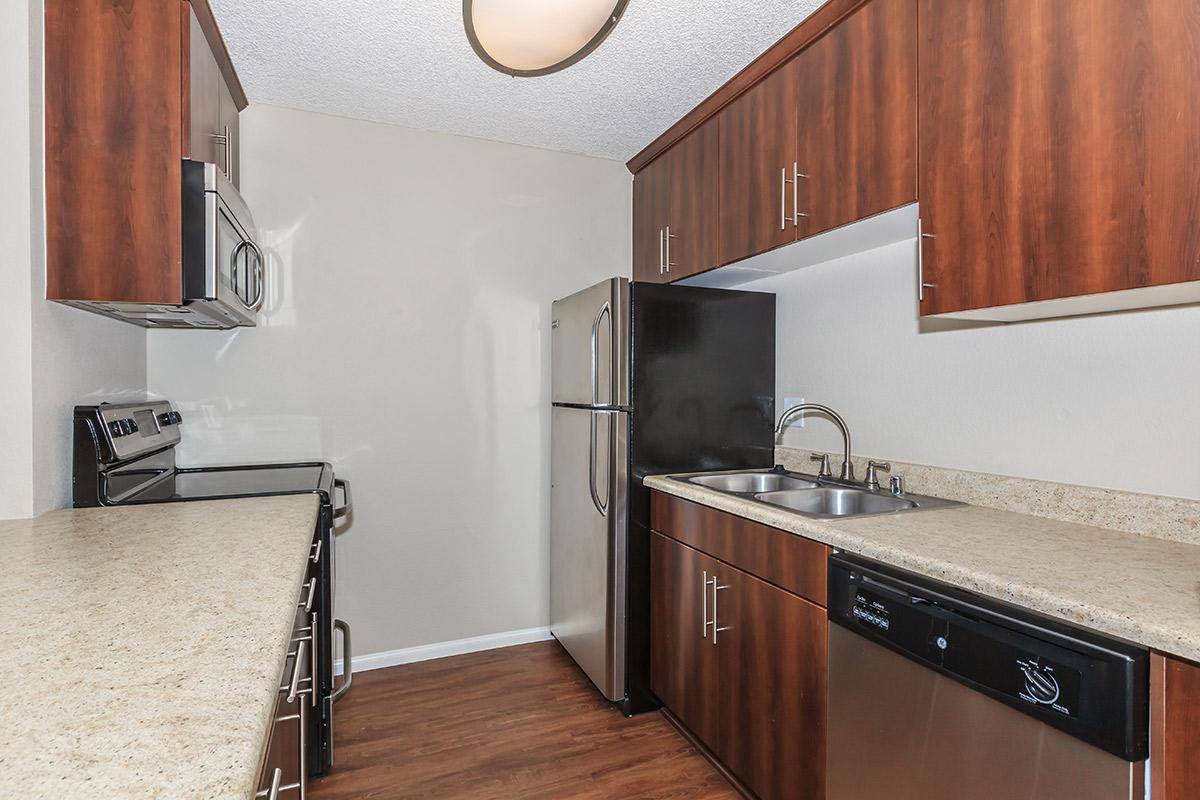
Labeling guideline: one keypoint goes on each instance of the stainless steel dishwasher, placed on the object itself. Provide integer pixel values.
(939, 694)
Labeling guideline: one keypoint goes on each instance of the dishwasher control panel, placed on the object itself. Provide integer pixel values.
(1088, 685)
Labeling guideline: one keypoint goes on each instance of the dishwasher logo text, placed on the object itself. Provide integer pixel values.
(871, 612)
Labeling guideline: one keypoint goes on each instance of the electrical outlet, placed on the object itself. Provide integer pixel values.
(798, 420)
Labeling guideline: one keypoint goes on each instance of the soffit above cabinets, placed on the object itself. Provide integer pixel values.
(409, 63)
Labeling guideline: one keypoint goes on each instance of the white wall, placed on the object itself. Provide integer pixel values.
(16, 201)
(1110, 401)
(52, 357)
(406, 338)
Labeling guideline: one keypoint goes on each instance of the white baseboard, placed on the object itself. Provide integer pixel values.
(457, 647)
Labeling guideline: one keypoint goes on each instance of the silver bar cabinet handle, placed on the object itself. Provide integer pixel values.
(921, 284)
(668, 237)
(662, 259)
(783, 215)
(704, 613)
(315, 556)
(717, 587)
(272, 793)
(308, 601)
(796, 176)
(294, 686)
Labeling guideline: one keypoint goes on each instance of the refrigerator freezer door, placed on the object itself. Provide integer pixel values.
(590, 346)
(588, 540)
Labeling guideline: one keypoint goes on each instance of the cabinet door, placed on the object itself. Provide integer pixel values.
(692, 203)
(649, 215)
(204, 95)
(857, 97)
(757, 144)
(683, 660)
(1057, 144)
(230, 161)
(1174, 729)
(772, 652)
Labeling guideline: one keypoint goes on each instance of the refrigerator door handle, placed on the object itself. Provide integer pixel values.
(604, 309)
(593, 467)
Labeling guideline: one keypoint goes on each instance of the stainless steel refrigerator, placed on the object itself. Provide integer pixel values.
(646, 379)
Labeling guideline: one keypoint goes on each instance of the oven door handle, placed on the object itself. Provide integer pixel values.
(348, 506)
(347, 661)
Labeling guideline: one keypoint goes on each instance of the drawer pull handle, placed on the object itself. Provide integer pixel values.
(272, 793)
(294, 687)
(308, 601)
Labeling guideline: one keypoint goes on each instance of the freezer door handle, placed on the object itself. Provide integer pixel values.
(604, 309)
(593, 458)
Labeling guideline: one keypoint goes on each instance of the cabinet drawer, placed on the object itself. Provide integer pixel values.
(784, 559)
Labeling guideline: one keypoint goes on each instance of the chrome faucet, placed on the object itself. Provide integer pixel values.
(847, 467)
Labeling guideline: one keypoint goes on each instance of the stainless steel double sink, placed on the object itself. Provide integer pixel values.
(809, 496)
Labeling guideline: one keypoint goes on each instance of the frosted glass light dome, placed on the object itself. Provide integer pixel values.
(536, 37)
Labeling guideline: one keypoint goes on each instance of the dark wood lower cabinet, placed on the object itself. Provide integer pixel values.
(1175, 729)
(771, 648)
(285, 761)
(683, 662)
(738, 660)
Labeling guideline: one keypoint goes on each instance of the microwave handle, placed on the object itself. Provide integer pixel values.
(259, 276)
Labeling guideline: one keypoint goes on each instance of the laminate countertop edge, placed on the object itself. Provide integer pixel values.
(149, 640)
(1138, 588)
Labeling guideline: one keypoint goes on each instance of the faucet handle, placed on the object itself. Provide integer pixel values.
(824, 473)
(873, 470)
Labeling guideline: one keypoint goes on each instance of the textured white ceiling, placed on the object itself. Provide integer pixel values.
(408, 63)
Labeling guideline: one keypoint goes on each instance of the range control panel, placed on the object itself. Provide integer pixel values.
(128, 430)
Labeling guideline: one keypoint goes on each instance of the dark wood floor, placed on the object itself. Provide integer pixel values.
(522, 722)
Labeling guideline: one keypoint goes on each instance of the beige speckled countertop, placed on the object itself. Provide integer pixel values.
(142, 646)
(1140, 588)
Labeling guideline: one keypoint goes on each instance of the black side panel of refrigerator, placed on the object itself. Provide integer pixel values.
(703, 394)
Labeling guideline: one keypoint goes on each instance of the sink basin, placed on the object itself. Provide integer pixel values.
(752, 482)
(834, 501)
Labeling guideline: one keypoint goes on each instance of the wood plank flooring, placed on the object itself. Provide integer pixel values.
(522, 722)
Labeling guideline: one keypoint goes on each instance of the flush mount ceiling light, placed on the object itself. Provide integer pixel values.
(527, 38)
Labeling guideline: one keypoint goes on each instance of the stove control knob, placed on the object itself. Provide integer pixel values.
(176, 417)
(1040, 685)
(116, 428)
(132, 425)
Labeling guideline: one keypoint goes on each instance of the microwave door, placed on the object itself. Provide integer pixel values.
(234, 273)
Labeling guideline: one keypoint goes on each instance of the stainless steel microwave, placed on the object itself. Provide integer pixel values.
(224, 276)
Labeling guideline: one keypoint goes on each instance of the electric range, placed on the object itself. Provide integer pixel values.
(124, 454)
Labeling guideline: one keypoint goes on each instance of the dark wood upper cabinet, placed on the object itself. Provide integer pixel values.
(113, 127)
(771, 646)
(649, 226)
(675, 210)
(683, 661)
(692, 204)
(230, 164)
(1057, 148)
(757, 155)
(857, 102)
(826, 139)
(131, 90)
(203, 108)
